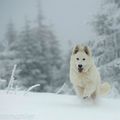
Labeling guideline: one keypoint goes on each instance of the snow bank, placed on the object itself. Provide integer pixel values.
(46, 106)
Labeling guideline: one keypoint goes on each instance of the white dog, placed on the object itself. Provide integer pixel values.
(84, 74)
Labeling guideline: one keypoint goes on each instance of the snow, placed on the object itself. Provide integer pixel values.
(48, 106)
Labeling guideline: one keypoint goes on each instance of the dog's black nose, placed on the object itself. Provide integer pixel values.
(80, 66)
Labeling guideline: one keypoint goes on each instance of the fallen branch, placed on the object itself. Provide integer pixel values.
(10, 85)
(30, 88)
(61, 88)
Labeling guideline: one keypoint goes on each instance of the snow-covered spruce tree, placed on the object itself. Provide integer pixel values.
(50, 54)
(28, 54)
(36, 51)
(6, 56)
(55, 62)
(107, 26)
(106, 49)
(41, 36)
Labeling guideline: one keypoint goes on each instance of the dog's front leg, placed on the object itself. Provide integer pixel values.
(89, 89)
(79, 91)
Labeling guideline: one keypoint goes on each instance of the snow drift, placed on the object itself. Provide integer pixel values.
(47, 106)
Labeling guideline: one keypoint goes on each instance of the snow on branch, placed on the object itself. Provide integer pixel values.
(30, 88)
(61, 88)
(10, 85)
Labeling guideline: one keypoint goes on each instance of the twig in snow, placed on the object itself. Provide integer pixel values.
(10, 85)
(30, 88)
(61, 89)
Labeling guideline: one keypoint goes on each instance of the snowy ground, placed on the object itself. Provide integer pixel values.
(46, 106)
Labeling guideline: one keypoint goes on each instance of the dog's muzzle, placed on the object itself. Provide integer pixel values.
(80, 68)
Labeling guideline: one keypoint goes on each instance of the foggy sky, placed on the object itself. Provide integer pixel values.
(69, 18)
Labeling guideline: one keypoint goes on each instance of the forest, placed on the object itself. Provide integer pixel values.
(39, 56)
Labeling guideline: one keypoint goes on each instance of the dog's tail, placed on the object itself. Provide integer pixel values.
(105, 89)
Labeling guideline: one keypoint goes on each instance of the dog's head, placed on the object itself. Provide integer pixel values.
(81, 58)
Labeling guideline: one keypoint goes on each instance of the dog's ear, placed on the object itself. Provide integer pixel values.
(87, 50)
(75, 49)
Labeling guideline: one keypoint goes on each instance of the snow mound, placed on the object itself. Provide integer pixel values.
(47, 106)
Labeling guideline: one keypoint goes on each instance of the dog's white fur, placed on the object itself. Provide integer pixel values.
(87, 82)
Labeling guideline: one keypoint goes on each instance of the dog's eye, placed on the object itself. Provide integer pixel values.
(77, 58)
(83, 58)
